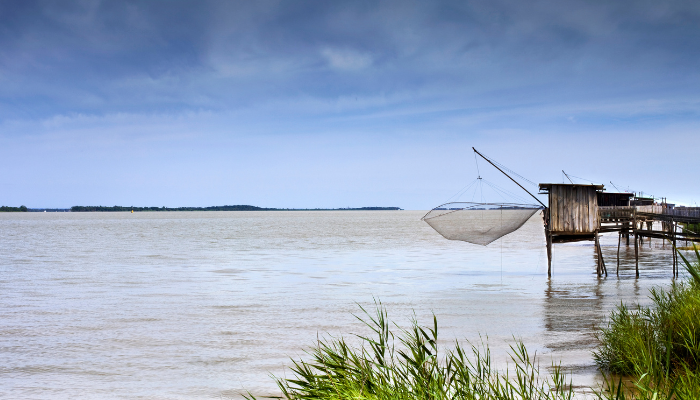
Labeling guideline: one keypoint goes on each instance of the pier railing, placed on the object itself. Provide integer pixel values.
(615, 212)
(608, 212)
(683, 212)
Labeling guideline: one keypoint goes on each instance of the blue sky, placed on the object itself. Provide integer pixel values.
(336, 104)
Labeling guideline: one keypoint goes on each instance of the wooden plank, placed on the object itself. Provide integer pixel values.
(573, 206)
(594, 209)
(589, 219)
(582, 212)
(583, 206)
(553, 214)
(585, 211)
(590, 209)
(567, 210)
(567, 207)
(576, 210)
(560, 209)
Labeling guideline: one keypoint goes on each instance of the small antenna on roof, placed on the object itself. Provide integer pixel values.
(567, 176)
(615, 187)
(476, 161)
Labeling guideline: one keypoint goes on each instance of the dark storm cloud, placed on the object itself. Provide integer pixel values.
(108, 56)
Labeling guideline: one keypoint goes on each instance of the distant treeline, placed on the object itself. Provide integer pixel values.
(13, 209)
(215, 208)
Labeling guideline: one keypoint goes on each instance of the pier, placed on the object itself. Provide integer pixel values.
(582, 212)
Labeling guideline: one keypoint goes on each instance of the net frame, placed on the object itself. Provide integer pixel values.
(478, 227)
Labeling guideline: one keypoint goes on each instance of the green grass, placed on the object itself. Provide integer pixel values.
(692, 227)
(657, 347)
(410, 366)
(650, 353)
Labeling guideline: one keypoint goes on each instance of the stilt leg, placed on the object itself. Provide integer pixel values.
(599, 264)
(603, 269)
(636, 255)
(549, 254)
(619, 239)
(674, 260)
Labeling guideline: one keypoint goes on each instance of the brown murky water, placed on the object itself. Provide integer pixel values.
(206, 304)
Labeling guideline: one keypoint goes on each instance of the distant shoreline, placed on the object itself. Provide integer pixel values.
(219, 208)
(13, 209)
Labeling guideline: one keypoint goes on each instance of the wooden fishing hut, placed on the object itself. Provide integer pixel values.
(581, 212)
(571, 216)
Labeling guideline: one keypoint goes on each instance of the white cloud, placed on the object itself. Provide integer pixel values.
(346, 59)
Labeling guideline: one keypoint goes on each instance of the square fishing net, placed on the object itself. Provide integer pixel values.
(478, 223)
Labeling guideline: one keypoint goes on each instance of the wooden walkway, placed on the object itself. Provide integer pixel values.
(657, 221)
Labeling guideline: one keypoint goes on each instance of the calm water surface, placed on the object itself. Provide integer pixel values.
(201, 305)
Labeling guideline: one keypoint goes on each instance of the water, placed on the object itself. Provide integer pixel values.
(200, 305)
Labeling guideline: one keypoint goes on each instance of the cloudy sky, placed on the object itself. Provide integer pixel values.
(336, 104)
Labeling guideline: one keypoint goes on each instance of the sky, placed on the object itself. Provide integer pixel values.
(304, 104)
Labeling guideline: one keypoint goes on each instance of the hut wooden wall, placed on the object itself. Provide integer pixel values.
(573, 209)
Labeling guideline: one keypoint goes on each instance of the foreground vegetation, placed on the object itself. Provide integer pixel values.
(647, 353)
(657, 346)
(379, 369)
(695, 228)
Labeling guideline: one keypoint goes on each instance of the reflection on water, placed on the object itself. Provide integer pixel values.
(574, 308)
(202, 305)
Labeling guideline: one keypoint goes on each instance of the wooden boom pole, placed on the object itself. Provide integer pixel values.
(516, 182)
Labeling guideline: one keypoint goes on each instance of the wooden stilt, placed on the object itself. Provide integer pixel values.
(636, 254)
(619, 239)
(675, 253)
(601, 263)
(597, 256)
(548, 237)
(549, 254)
(602, 259)
(673, 260)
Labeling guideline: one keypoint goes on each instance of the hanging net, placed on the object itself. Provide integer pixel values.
(478, 223)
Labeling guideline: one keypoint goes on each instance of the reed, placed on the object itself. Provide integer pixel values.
(645, 353)
(657, 347)
(409, 365)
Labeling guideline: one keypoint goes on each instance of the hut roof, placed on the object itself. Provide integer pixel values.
(546, 187)
(621, 194)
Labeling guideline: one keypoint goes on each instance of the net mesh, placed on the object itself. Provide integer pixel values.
(478, 223)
